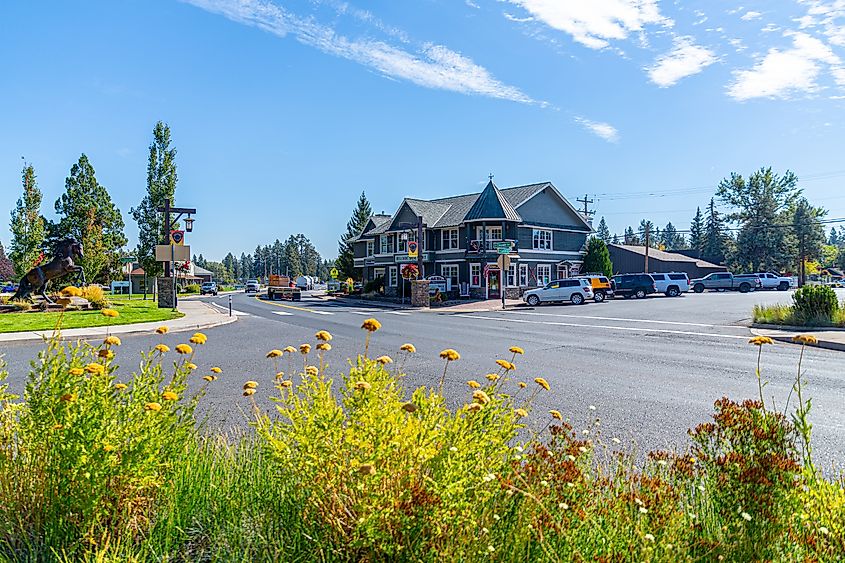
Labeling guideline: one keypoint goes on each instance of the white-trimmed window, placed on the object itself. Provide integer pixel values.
(544, 274)
(475, 275)
(401, 242)
(450, 272)
(394, 276)
(542, 239)
(383, 244)
(449, 239)
(562, 271)
(493, 233)
(523, 275)
(391, 243)
(511, 276)
(369, 248)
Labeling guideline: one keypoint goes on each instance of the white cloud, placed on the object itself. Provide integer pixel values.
(600, 129)
(434, 66)
(685, 59)
(594, 23)
(782, 74)
(750, 15)
(472, 4)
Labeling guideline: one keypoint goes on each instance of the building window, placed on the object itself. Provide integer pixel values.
(544, 274)
(394, 276)
(523, 275)
(369, 248)
(493, 233)
(475, 275)
(542, 239)
(391, 243)
(378, 273)
(511, 276)
(383, 244)
(450, 239)
(450, 272)
(562, 271)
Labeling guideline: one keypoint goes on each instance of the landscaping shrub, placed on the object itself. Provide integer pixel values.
(815, 304)
(191, 288)
(374, 286)
(96, 296)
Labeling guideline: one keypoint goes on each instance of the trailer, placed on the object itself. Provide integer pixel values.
(280, 287)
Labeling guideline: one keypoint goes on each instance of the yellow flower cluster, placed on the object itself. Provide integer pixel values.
(542, 383)
(304, 349)
(289, 350)
(324, 346)
(71, 291)
(323, 335)
(805, 339)
(120, 386)
(450, 355)
(95, 369)
(198, 338)
(408, 347)
(492, 376)
(371, 325)
(312, 371)
(162, 348)
(520, 413)
(184, 349)
(250, 385)
(274, 353)
(556, 415)
(169, 396)
(362, 386)
(76, 371)
(112, 341)
(287, 383)
(480, 397)
(216, 370)
(111, 313)
(760, 340)
(473, 384)
(162, 330)
(384, 360)
(516, 350)
(153, 407)
(209, 378)
(506, 365)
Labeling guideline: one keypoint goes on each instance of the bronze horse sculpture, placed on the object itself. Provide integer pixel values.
(36, 280)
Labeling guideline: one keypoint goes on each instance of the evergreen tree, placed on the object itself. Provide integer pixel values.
(86, 212)
(696, 233)
(7, 269)
(229, 261)
(597, 258)
(292, 256)
(808, 235)
(27, 225)
(246, 266)
(669, 237)
(834, 237)
(647, 226)
(161, 186)
(258, 263)
(631, 237)
(714, 240)
(603, 232)
(345, 257)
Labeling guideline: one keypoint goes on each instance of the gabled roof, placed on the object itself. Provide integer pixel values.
(664, 256)
(375, 224)
(491, 204)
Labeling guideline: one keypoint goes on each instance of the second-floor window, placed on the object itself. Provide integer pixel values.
(383, 243)
(493, 233)
(450, 239)
(542, 239)
(369, 248)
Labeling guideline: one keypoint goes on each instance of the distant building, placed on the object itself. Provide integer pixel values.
(630, 259)
(461, 235)
(195, 274)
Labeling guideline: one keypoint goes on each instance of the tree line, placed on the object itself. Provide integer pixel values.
(86, 212)
(768, 225)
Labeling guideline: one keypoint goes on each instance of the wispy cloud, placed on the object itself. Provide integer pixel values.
(685, 59)
(594, 23)
(750, 15)
(600, 129)
(431, 66)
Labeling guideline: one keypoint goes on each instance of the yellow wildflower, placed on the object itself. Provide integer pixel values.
(111, 313)
(304, 348)
(383, 360)
(522, 385)
(556, 415)
(169, 396)
(473, 384)
(371, 325)
(191, 366)
(362, 386)
(96, 369)
(805, 339)
(76, 371)
(450, 355)
(71, 291)
(184, 349)
(108, 448)
(312, 371)
(162, 348)
(323, 335)
(58, 426)
(474, 407)
(286, 383)
(154, 407)
(112, 341)
(492, 376)
(104, 353)
(290, 350)
(506, 365)
(760, 340)
(280, 375)
(68, 397)
(216, 370)
(520, 413)
(250, 384)
(366, 469)
(120, 386)
(249, 392)
(324, 346)
(542, 383)
(210, 377)
(162, 330)
(516, 350)
(408, 347)
(480, 397)
(274, 353)
(198, 338)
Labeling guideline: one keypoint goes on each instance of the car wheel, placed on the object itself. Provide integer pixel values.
(698, 288)
(673, 292)
(598, 297)
(744, 288)
(533, 300)
(577, 298)
(640, 294)
(783, 286)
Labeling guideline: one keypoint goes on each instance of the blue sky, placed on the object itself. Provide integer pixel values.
(284, 111)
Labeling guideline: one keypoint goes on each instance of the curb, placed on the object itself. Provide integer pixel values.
(374, 303)
(787, 338)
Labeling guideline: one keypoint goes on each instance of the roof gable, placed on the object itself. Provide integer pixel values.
(491, 204)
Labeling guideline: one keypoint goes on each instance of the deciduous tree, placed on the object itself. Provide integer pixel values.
(27, 225)
(7, 269)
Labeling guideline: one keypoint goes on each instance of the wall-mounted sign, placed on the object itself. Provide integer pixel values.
(413, 249)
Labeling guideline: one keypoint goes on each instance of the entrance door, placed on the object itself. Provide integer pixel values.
(494, 284)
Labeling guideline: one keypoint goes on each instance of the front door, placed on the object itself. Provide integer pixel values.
(494, 284)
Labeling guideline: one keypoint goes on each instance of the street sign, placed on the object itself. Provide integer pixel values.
(172, 253)
(334, 273)
(128, 259)
(413, 249)
(504, 261)
(177, 237)
(503, 247)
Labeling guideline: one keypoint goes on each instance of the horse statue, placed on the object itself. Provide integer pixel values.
(36, 280)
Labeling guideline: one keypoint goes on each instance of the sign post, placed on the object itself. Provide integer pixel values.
(504, 262)
(129, 260)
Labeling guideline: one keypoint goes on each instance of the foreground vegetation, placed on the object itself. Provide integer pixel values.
(96, 465)
(812, 306)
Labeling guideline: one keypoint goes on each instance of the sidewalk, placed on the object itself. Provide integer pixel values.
(831, 339)
(479, 306)
(198, 316)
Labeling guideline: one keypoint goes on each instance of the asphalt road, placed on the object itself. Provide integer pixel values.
(652, 368)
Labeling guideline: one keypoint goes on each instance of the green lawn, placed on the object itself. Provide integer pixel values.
(135, 311)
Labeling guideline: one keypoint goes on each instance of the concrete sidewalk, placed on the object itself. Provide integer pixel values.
(198, 316)
(831, 339)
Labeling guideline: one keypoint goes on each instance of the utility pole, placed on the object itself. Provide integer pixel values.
(647, 240)
(801, 266)
(587, 213)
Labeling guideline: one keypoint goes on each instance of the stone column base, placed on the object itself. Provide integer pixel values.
(419, 293)
(166, 293)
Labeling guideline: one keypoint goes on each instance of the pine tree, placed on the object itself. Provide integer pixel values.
(161, 186)
(597, 258)
(86, 212)
(603, 232)
(7, 269)
(714, 240)
(647, 226)
(834, 237)
(345, 257)
(292, 256)
(27, 225)
(696, 232)
(631, 237)
(669, 237)
(246, 266)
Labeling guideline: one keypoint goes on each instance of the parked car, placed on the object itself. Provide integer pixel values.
(574, 290)
(208, 288)
(672, 283)
(252, 286)
(8, 287)
(774, 281)
(634, 285)
(601, 286)
(725, 281)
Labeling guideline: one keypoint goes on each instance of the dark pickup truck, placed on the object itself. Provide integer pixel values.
(725, 281)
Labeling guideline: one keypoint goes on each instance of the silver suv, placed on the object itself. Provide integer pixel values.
(574, 290)
(672, 283)
(252, 286)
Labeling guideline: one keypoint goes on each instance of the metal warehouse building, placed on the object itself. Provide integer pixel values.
(629, 259)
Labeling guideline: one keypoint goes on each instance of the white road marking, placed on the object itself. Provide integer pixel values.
(283, 313)
(515, 312)
(234, 312)
(322, 313)
(398, 313)
(361, 312)
(606, 327)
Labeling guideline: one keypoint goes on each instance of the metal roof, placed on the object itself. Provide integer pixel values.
(491, 204)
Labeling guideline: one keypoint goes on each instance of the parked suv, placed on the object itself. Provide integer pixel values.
(601, 286)
(634, 285)
(252, 286)
(208, 288)
(672, 284)
(574, 290)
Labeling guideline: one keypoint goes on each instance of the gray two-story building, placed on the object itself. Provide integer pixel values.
(463, 235)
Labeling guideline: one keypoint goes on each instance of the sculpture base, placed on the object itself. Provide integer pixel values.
(166, 293)
(419, 293)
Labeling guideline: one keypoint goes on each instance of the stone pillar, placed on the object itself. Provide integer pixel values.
(419, 293)
(166, 292)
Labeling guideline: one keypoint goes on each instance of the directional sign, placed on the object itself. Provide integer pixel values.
(128, 259)
(413, 249)
(503, 247)
(334, 273)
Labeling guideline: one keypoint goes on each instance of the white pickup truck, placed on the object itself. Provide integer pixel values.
(774, 281)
